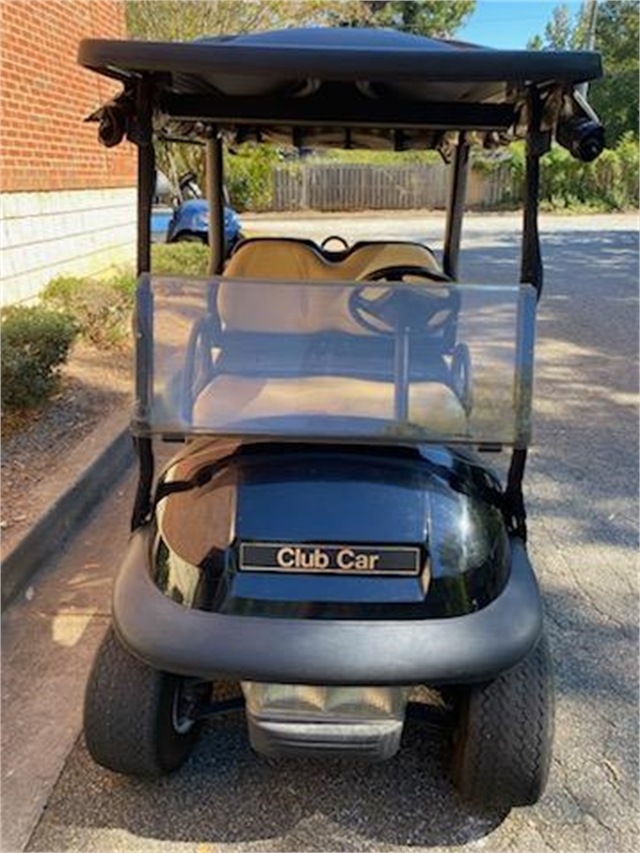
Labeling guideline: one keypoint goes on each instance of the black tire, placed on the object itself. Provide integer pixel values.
(503, 742)
(133, 722)
(190, 237)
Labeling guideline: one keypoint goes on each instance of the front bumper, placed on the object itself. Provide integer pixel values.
(455, 650)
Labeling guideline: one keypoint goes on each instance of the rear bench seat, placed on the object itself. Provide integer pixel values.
(289, 310)
(301, 260)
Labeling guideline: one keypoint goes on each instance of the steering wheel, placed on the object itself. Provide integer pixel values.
(388, 310)
(334, 237)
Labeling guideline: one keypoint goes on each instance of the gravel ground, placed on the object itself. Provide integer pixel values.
(93, 384)
(582, 493)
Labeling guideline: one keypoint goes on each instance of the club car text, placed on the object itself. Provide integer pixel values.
(355, 559)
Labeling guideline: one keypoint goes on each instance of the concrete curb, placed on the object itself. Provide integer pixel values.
(97, 463)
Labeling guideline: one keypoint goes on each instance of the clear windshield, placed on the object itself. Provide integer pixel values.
(418, 362)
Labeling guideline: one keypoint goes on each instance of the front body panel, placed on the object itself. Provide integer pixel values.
(313, 531)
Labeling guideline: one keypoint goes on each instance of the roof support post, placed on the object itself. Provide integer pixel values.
(538, 143)
(531, 272)
(142, 134)
(455, 207)
(215, 196)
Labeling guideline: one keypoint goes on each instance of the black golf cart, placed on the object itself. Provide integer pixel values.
(329, 534)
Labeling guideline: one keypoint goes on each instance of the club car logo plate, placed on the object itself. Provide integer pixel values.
(321, 558)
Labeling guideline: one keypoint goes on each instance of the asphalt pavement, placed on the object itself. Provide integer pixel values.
(582, 498)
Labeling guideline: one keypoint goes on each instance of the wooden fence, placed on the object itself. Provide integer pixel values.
(338, 186)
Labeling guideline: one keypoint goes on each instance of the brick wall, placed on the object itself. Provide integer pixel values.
(45, 95)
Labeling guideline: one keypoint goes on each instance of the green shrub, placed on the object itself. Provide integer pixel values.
(249, 176)
(363, 156)
(608, 183)
(179, 258)
(35, 342)
(628, 154)
(102, 308)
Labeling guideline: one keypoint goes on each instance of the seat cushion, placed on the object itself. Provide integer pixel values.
(298, 310)
(228, 400)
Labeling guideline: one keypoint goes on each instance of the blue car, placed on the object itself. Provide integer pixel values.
(188, 219)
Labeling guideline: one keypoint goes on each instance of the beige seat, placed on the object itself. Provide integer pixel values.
(228, 400)
(289, 260)
(290, 309)
(303, 310)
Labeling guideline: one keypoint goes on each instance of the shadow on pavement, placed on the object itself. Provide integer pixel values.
(226, 794)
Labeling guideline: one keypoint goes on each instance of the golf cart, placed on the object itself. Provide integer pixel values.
(182, 215)
(329, 534)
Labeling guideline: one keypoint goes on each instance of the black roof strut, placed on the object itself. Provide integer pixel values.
(142, 134)
(531, 272)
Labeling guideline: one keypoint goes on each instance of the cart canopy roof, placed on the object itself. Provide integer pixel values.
(343, 86)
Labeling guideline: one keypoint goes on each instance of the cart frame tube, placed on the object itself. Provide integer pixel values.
(455, 208)
(143, 136)
(531, 272)
(215, 196)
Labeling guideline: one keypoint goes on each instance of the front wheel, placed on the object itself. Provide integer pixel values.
(137, 720)
(503, 741)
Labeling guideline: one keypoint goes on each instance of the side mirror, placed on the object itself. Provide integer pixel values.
(579, 129)
(112, 127)
(582, 136)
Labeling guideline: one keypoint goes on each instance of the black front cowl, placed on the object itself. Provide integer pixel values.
(330, 532)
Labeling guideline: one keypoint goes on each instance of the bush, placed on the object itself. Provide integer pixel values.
(249, 176)
(179, 258)
(102, 309)
(363, 156)
(608, 183)
(35, 342)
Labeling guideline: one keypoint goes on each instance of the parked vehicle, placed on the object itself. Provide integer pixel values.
(330, 533)
(183, 215)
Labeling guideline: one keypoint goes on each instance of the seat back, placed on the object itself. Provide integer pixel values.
(284, 308)
(303, 310)
(365, 258)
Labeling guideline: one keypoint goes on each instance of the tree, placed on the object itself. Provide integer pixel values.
(183, 20)
(559, 31)
(562, 32)
(615, 97)
(187, 19)
(429, 17)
